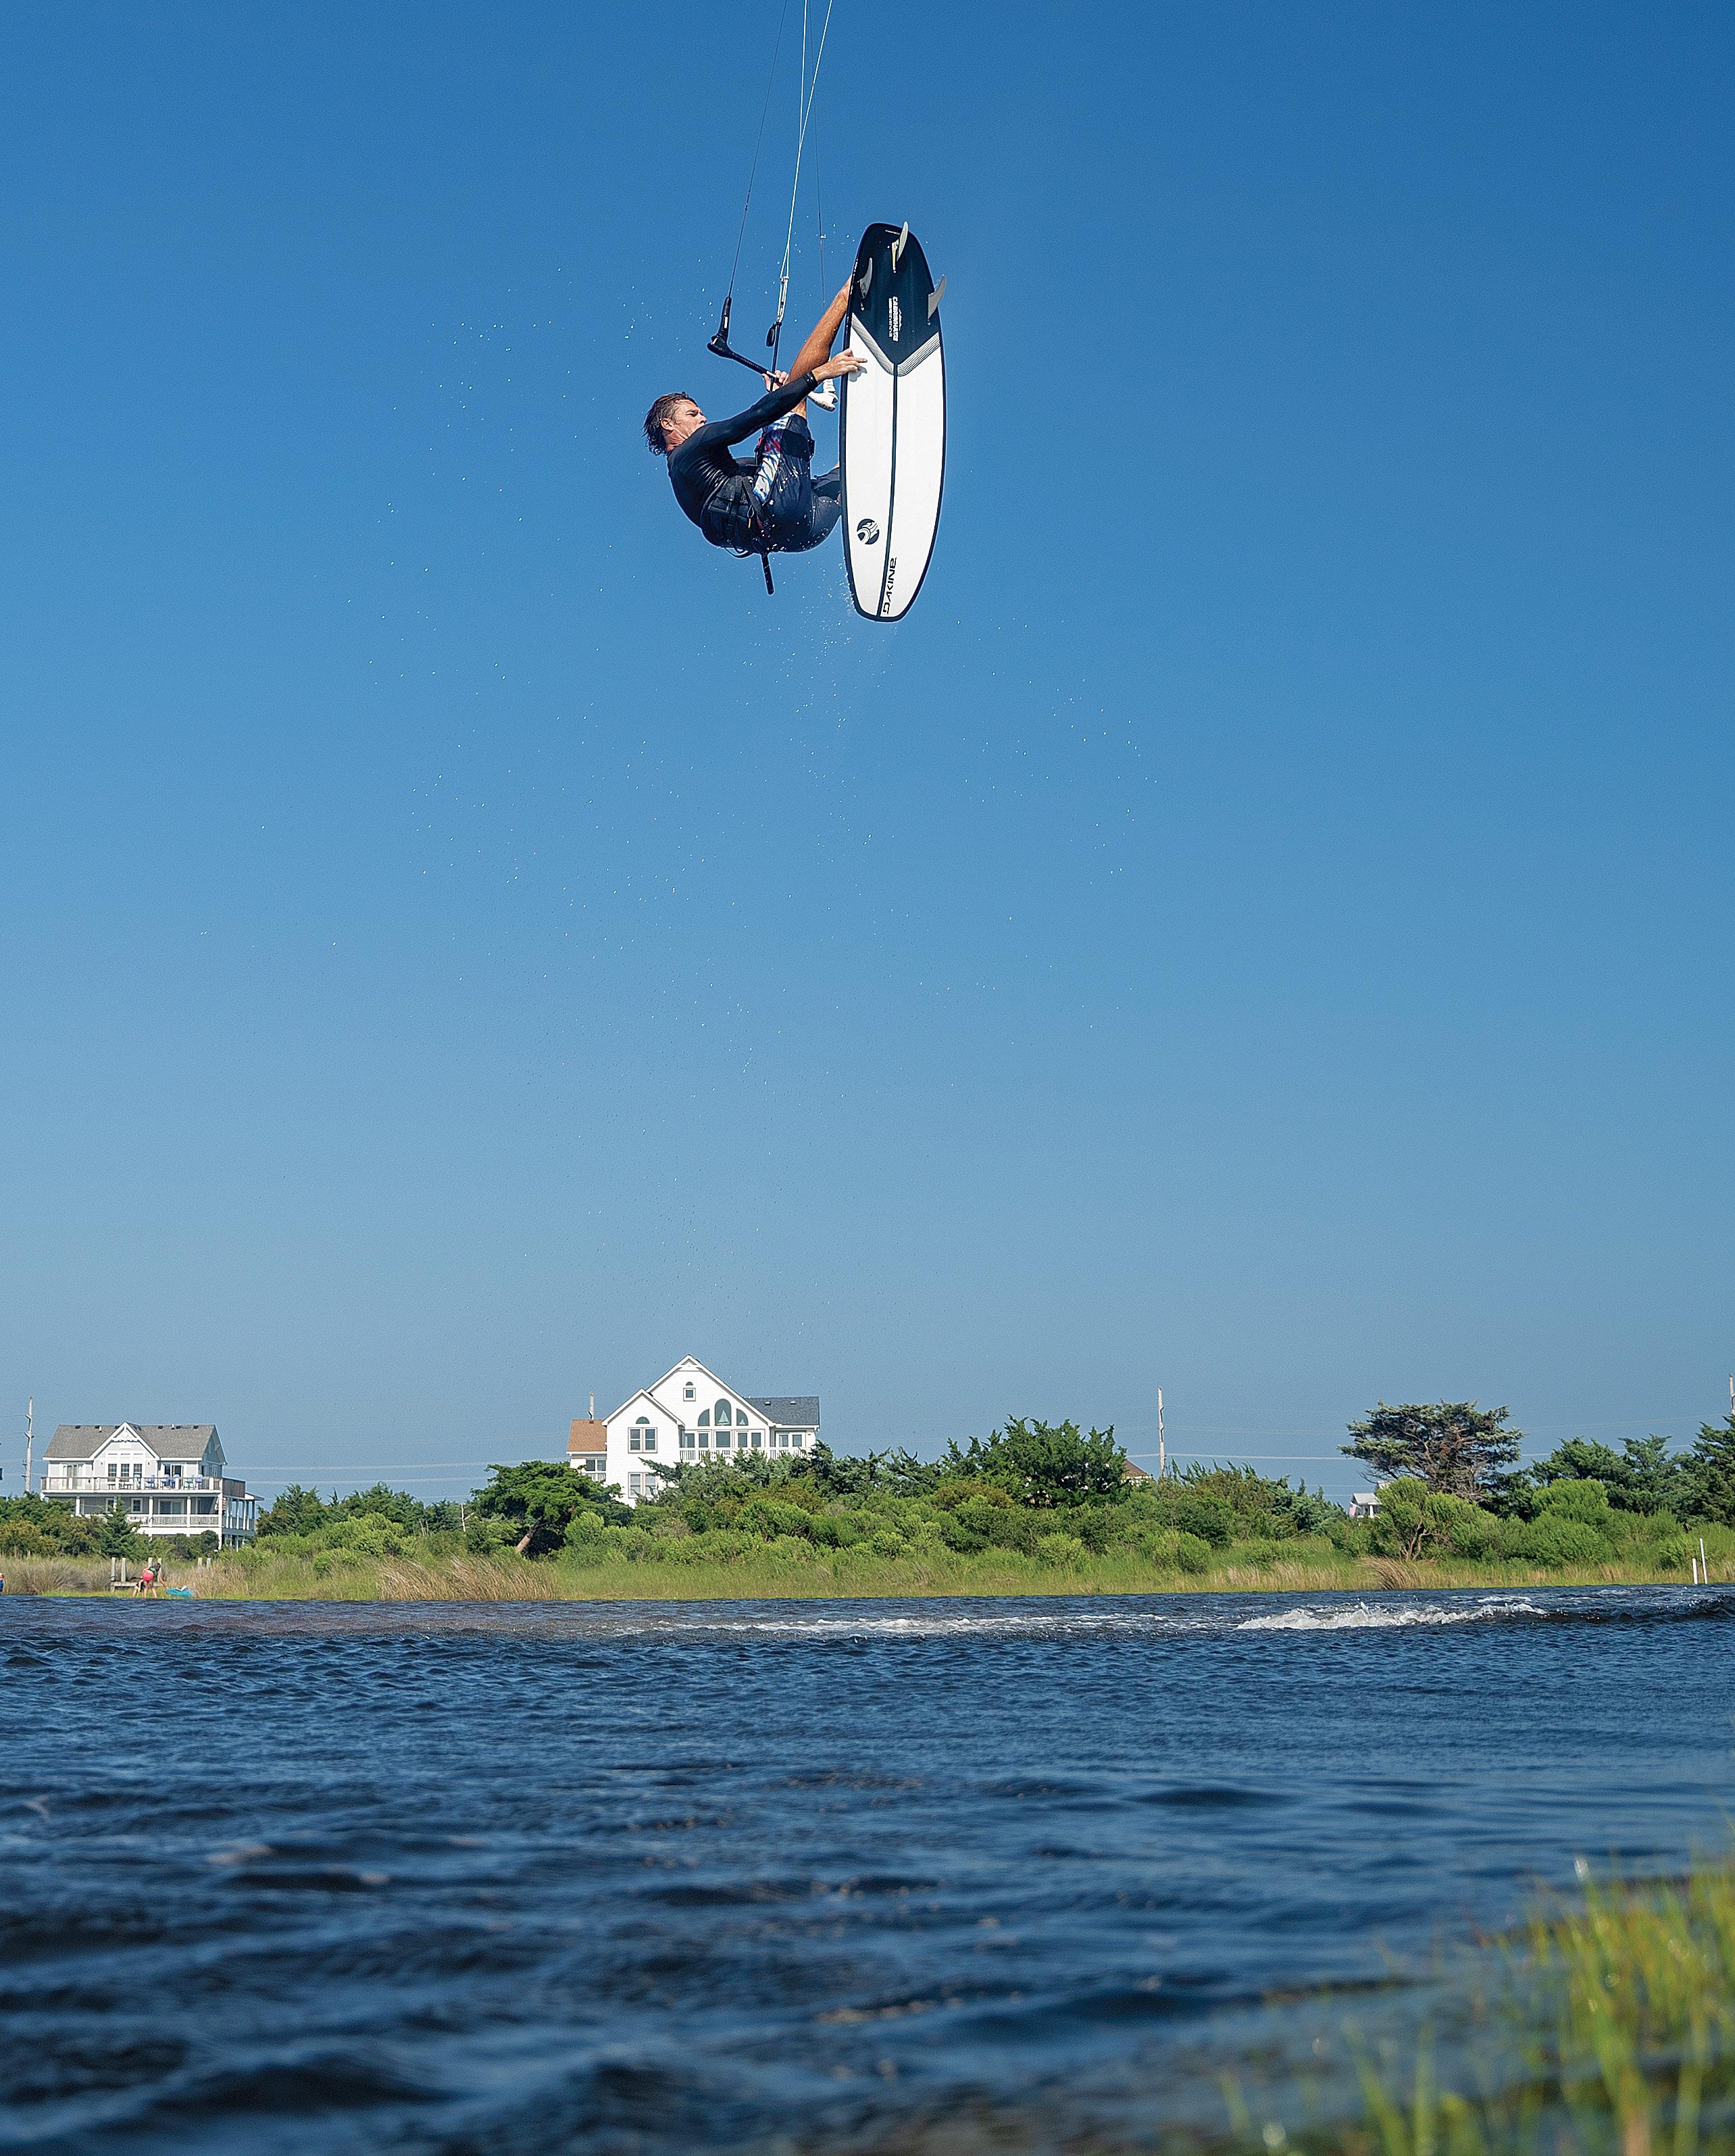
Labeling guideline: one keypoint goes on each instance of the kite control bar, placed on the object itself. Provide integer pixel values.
(721, 346)
(826, 395)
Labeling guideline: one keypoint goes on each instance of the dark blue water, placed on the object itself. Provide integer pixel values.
(845, 1876)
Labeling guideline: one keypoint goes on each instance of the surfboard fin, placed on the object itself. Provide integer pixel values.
(900, 243)
(934, 298)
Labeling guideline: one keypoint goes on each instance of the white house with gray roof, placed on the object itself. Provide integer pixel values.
(167, 1477)
(689, 1414)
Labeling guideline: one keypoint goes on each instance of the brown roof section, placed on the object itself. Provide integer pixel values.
(587, 1437)
(1132, 1472)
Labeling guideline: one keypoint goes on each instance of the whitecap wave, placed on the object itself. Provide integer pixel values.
(1366, 1617)
(1031, 1624)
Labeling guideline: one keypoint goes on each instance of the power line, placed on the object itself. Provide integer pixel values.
(1178, 1452)
(382, 1466)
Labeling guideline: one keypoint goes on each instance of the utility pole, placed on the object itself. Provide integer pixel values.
(29, 1440)
(1161, 1457)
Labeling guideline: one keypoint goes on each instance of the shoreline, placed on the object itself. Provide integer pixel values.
(834, 1577)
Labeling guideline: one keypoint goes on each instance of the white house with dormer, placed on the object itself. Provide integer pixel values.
(167, 1477)
(689, 1414)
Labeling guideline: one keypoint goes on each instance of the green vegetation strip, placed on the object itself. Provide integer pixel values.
(1034, 1508)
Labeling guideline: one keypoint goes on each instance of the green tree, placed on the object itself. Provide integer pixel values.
(539, 1500)
(1458, 1448)
(1263, 1508)
(1710, 1472)
(1206, 1513)
(36, 1526)
(855, 1475)
(1642, 1477)
(1413, 1520)
(1580, 1459)
(117, 1537)
(382, 1503)
(1654, 1479)
(1043, 1463)
(296, 1511)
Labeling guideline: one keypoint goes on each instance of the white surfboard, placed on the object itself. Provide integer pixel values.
(894, 424)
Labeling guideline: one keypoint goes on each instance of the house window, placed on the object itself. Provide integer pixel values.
(723, 1440)
(687, 1391)
(689, 1443)
(725, 1415)
(758, 1439)
(704, 1441)
(704, 1418)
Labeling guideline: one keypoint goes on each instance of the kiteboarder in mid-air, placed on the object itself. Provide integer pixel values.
(771, 504)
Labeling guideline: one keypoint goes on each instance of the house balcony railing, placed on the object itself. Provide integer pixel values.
(50, 1485)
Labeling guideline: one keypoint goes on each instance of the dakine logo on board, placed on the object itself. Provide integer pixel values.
(867, 532)
(894, 319)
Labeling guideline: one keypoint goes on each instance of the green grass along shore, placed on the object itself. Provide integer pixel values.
(810, 1573)
(1604, 2026)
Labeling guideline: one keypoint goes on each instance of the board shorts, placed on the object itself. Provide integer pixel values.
(795, 511)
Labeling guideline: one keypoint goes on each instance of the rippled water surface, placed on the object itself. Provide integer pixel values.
(529, 1878)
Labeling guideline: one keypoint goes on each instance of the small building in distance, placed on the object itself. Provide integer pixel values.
(166, 1477)
(1364, 1504)
(587, 1448)
(689, 1414)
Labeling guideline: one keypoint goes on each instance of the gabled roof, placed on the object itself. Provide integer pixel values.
(799, 1411)
(634, 1402)
(791, 1410)
(687, 1363)
(168, 1440)
(587, 1438)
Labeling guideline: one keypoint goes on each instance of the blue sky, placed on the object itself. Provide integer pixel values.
(1262, 927)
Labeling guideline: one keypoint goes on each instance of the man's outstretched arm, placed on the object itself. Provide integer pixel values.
(725, 433)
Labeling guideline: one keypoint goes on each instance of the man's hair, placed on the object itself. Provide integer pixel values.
(663, 408)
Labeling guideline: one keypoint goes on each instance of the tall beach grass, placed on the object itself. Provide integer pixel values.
(806, 1574)
(1604, 2027)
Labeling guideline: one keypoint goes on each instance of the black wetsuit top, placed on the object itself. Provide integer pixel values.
(715, 489)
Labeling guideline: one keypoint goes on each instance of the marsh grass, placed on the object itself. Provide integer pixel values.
(805, 1573)
(55, 1575)
(1604, 2028)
